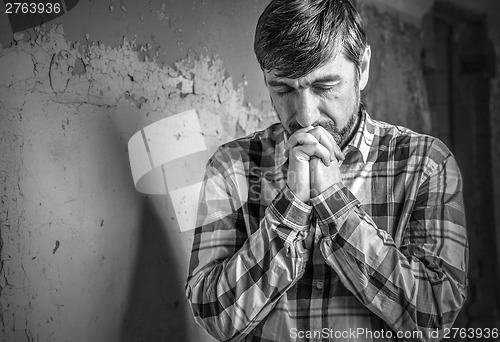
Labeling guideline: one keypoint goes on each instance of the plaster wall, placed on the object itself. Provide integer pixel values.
(73, 226)
(84, 256)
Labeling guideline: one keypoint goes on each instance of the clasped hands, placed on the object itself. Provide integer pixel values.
(313, 157)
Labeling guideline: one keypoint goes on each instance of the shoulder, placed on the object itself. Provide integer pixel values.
(406, 143)
(259, 139)
(256, 145)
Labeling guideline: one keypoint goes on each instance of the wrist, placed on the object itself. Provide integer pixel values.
(302, 193)
(322, 177)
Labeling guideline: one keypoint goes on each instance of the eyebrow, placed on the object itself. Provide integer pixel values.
(324, 79)
(275, 83)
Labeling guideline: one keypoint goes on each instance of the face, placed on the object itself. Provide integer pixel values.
(328, 96)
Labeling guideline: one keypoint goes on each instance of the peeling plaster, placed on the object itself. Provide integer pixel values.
(67, 111)
(17, 66)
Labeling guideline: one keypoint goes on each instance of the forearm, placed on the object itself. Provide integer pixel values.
(412, 287)
(230, 295)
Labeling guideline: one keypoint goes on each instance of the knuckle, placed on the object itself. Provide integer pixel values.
(316, 133)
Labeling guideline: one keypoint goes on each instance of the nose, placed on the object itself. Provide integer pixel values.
(307, 111)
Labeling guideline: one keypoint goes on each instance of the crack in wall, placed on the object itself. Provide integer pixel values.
(48, 81)
(53, 82)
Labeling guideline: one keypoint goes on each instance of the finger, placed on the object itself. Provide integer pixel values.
(326, 138)
(301, 130)
(300, 138)
(339, 155)
(306, 152)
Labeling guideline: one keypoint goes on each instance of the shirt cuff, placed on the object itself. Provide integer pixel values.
(333, 206)
(290, 211)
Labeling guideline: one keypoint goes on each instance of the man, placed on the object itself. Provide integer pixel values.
(329, 225)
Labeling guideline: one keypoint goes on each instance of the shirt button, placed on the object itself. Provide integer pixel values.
(319, 285)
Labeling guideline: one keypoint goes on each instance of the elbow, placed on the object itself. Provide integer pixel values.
(433, 318)
(218, 327)
(452, 301)
(451, 304)
(209, 314)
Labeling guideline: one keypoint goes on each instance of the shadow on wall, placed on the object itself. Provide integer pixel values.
(69, 184)
(156, 301)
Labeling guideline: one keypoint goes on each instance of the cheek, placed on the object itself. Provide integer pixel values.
(282, 108)
(349, 99)
(340, 108)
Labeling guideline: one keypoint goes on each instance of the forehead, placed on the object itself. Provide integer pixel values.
(336, 67)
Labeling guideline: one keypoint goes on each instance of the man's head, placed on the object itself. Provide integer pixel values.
(315, 60)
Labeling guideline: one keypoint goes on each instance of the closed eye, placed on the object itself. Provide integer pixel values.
(325, 87)
(321, 89)
(284, 91)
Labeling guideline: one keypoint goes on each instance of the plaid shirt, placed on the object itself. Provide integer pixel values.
(389, 257)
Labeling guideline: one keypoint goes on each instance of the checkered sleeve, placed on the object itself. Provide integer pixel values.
(419, 285)
(236, 276)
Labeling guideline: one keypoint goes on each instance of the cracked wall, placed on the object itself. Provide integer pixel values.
(70, 214)
(68, 110)
(84, 256)
(74, 231)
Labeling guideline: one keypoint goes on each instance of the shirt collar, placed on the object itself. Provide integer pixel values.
(279, 151)
(363, 138)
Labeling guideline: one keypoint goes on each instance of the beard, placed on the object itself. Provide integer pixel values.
(341, 136)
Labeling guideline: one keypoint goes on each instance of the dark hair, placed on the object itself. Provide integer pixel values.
(295, 37)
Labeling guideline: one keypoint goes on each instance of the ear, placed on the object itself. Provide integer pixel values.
(365, 68)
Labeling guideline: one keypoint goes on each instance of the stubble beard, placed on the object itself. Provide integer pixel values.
(341, 136)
